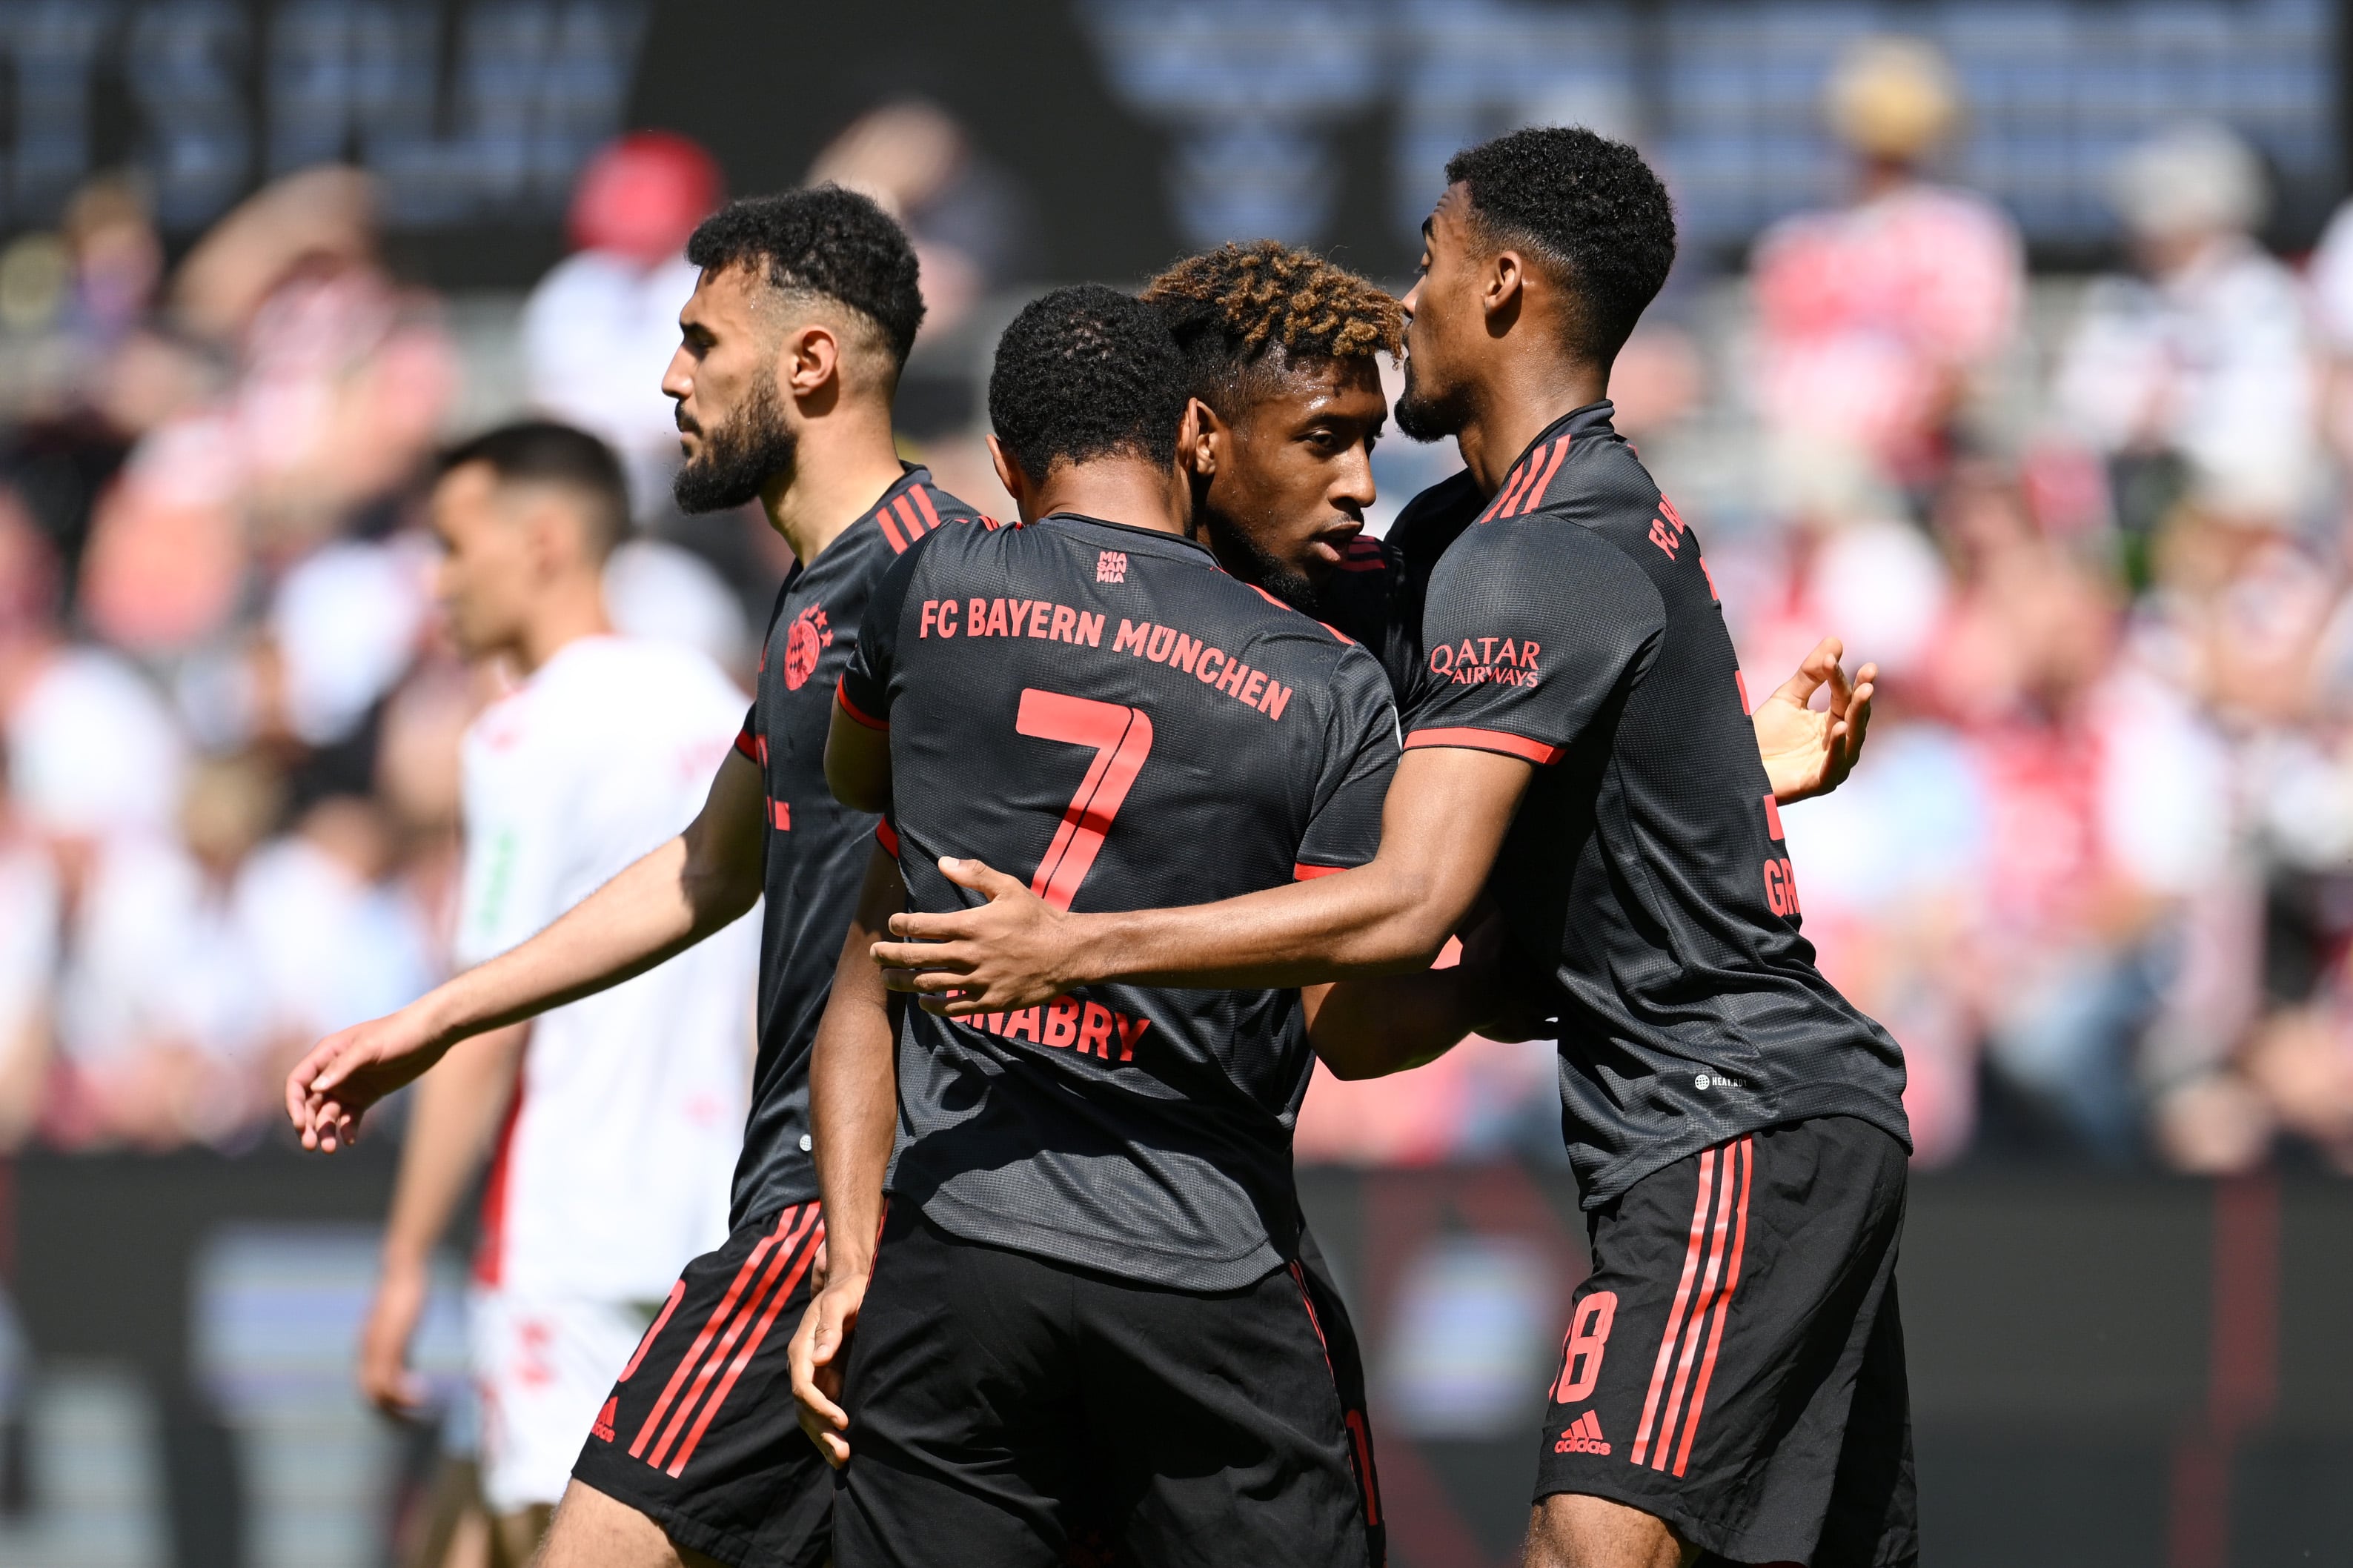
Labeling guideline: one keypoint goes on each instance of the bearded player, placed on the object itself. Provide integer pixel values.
(792, 346)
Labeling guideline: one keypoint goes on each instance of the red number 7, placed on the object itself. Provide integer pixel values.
(1121, 739)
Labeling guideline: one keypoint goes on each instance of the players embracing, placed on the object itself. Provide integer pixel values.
(1576, 749)
(793, 344)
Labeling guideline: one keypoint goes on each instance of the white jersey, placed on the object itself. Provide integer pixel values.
(614, 1167)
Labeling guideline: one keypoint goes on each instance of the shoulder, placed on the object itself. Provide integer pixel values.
(1570, 557)
(920, 510)
(1595, 479)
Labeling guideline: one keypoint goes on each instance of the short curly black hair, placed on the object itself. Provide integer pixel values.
(1592, 212)
(1253, 307)
(1085, 372)
(822, 240)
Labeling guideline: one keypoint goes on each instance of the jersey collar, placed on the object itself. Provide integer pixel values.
(1530, 475)
(1176, 546)
(1592, 419)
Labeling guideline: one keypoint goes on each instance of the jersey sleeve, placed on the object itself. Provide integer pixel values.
(1360, 755)
(747, 738)
(514, 862)
(1530, 628)
(865, 691)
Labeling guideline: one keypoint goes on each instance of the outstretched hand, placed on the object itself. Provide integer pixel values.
(1807, 752)
(991, 958)
(348, 1071)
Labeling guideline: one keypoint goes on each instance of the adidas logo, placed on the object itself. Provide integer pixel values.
(1582, 1435)
(603, 1427)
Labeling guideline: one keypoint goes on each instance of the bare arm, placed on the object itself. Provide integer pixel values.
(451, 1124)
(1444, 820)
(858, 763)
(853, 1114)
(666, 902)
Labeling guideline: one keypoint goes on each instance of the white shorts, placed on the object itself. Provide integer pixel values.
(542, 1368)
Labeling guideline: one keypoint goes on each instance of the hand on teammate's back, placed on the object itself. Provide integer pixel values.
(1807, 752)
(1008, 952)
(345, 1074)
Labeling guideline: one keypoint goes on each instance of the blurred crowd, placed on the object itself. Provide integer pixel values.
(2095, 873)
(230, 718)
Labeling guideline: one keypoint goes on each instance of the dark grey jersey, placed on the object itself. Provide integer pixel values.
(816, 852)
(1101, 710)
(1573, 623)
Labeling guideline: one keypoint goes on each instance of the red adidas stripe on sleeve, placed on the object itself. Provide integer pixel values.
(1470, 740)
(841, 695)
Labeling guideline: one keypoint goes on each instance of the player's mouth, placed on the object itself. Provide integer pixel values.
(1329, 544)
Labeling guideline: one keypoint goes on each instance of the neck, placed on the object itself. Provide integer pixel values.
(1526, 394)
(843, 463)
(1133, 491)
(562, 617)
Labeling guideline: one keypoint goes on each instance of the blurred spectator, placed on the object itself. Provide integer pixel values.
(31, 906)
(93, 751)
(163, 1011)
(600, 328)
(1875, 322)
(2193, 375)
(966, 215)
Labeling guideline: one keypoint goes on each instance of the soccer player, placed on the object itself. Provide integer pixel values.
(593, 760)
(1576, 747)
(793, 343)
(1278, 345)
(1084, 1328)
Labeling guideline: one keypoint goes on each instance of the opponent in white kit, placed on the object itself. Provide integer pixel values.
(619, 1140)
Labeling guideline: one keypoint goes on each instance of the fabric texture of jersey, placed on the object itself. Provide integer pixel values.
(1574, 625)
(1735, 1362)
(697, 1433)
(816, 848)
(1101, 710)
(1011, 1412)
(542, 1366)
(611, 1170)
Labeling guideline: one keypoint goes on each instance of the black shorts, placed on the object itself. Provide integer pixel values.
(1735, 1363)
(699, 1433)
(1008, 1410)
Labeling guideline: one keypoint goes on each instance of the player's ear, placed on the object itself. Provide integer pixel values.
(1502, 287)
(1016, 483)
(1201, 438)
(809, 360)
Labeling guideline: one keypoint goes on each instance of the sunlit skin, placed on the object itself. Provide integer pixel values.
(515, 578)
(1294, 470)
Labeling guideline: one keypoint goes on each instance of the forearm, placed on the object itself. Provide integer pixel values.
(853, 1084)
(454, 1116)
(1367, 1028)
(654, 910)
(1381, 918)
